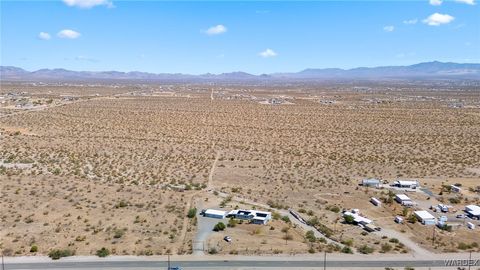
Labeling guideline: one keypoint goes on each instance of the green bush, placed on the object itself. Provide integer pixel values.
(286, 219)
(347, 250)
(103, 252)
(365, 249)
(349, 219)
(192, 212)
(34, 248)
(310, 235)
(56, 254)
(393, 240)
(220, 226)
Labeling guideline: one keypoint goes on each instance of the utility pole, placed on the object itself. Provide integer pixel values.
(3, 263)
(433, 237)
(470, 260)
(324, 259)
(168, 265)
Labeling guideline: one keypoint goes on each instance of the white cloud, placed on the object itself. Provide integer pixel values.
(216, 30)
(468, 2)
(44, 36)
(88, 3)
(389, 28)
(85, 58)
(67, 33)
(436, 2)
(412, 21)
(437, 19)
(268, 53)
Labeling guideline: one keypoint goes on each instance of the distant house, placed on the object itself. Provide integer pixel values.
(403, 200)
(473, 211)
(254, 216)
(425, 217)
(212, 213)
(357, 218)
(371, 182)
(406, 184)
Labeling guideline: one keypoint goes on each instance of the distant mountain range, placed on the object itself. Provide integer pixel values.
(428, 70)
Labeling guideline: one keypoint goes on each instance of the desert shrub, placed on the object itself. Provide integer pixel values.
(56, 254)
(212, 251)
(121, 204)
(386, 248)
(334, 209)
(365, 249)
(454, 200)
(192, 212)
(103, 252)
(412, 219)
(220, 226)
(349, 219)
(118, 233)
(286, 219)
(348, 242)
(393, 240)
(232, 223)
(347, 250)
(34, 248)
(310, 235)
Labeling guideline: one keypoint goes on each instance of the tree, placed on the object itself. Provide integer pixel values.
(412, 219)
(349, 219)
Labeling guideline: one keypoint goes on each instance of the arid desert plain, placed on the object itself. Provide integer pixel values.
(85, 166)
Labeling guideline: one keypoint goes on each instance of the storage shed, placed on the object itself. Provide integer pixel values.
(425, 217)
(212, 213)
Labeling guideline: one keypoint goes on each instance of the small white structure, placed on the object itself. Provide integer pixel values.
(425, 217)
(371, 182)
(357, 218)
(455, 189)
(473, 211)
(403, 199)
(375, 201)
(470, 225)
(212, 213)
(406, 184)
(399, 219)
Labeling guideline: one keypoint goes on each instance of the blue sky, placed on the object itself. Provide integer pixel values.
(256, 37)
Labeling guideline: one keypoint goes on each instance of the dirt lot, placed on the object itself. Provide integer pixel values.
(146, 141)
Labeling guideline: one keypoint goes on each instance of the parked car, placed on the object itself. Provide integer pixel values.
(228, 239)
(175, 268)
(461, 216)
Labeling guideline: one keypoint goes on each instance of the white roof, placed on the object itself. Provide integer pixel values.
(473, 209)
(424, 215)
(407, 182)
(357, 218)
(403, 197)
(215, 212)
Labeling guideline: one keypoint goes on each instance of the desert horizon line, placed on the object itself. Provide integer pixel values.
(242, 71)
